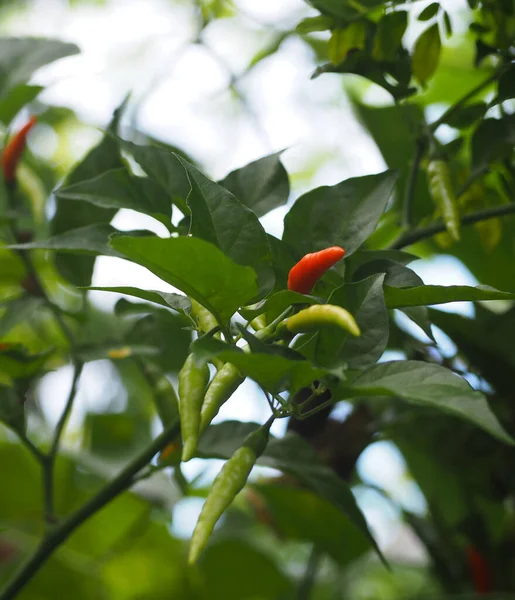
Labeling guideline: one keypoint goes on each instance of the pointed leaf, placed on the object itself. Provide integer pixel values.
(426, 54)
(426, 295)
(261, 185)
(430, 385)
(195, 267)
(178, 302)
(341, 215)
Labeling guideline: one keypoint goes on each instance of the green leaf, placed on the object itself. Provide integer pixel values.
(429, 12)
(72, 215)
(12, 409)
(430, 385)
(302, 515)
(420, 316)
(291, 455)
(389, 34)
(341, 9)
(272, 371)
(18, 363)
(218, 217)
(447, 24)
(253, 573)
(17, 311)
(426, 54)
(195, 267)
(341, 215)
(261, 185)
(12, 102)
(492, 140)
(312, 24)
(21, 57)
(506, 86)
(117, 189)
(89, 240)
(178, 302)
(467, 116)
(342, 41)
(354, 265)
(365, 301)
(166, 168)
(426, 295)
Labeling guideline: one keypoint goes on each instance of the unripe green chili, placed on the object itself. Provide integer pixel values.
(227, 484)
(192, 386)
(165, 398)
(322, 315)
(227, 380)
(205, 320)
(442, 192)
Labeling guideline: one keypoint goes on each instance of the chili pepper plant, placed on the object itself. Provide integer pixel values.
(331, 312)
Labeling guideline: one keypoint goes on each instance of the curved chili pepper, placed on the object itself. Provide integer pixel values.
(14, 149)
(479, 571)
(304, 275)
(322, 315)
(227, 484)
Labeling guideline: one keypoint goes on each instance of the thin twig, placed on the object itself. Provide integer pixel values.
(426, 232)
(61, 532)
(308, 581)
(409, 192)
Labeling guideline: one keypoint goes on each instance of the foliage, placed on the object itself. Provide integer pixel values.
(229, 278)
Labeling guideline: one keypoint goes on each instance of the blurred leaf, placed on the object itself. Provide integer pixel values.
(115, 435)
(72, 215)
(447, 24)
(301, 515)
(389, 34)
(342, 9)
(428, 384)
(261, 185)
(12, 102)
(430, 11)
(269, 50)
(117, 189)
(425, 295)
(466, 116)
(312, 24)
(21, 57)
(195, 267)
(506, 85)
(426, 54)
(17, 311)
(17, 362)
(234, 570)
(342, 41)
(341, 215)
(12, 409)
(492, 140)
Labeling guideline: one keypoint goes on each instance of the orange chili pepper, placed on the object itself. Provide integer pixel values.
(14, 149)
(304, 275)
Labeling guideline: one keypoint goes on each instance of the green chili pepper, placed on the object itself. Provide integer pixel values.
(442, 192)
(205, 320)
(227, 380)
(227, 484)
(192, 386)
(165, 398)
(322, 315)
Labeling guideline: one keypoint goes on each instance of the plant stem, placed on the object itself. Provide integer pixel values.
(426, 232)
(452, 109)
(49, 463)
(308, 581)
(60, 533)
(409, 193)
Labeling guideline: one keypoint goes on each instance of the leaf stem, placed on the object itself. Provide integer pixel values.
(55, 537)
(426, 232)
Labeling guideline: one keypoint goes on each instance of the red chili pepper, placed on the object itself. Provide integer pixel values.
(14, 149)
(479, 571)
(310, 268)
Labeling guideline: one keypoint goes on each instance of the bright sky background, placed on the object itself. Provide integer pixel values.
(180, 95)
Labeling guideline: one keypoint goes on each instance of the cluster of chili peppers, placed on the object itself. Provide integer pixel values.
(200, 401)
